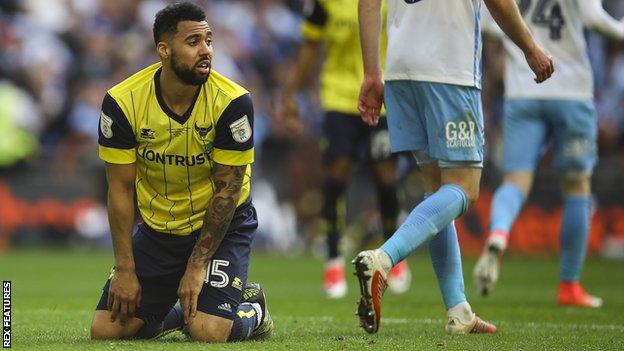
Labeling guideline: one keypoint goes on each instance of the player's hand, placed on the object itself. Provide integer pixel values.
(371, 98)
(288, 115)
(540, 62)
(190, 286)
(124, 295)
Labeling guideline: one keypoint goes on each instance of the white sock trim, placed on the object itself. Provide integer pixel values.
(384, 259)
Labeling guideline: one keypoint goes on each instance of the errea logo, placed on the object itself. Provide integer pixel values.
(460, 134)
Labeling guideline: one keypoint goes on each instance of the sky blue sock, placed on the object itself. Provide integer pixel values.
(506, 205)
(426, 220)
(574, 235)
(446, 261)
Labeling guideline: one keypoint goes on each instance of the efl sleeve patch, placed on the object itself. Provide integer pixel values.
(234, 130)
(115, 130)
(241, 129)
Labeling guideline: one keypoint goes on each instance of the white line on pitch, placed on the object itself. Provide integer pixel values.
(428, 321)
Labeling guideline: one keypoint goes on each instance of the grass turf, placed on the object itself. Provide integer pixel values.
(54, 294)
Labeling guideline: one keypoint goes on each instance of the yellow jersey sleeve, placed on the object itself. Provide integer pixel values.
(233, 143)
(313, 25)
(117, 142)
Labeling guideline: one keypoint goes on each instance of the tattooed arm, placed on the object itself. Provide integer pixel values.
(228, 181)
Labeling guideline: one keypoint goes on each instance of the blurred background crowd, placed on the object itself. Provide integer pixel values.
(58, 58)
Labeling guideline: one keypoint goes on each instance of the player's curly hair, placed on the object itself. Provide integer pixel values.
(167, 19)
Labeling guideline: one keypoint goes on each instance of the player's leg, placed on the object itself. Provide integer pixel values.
(384, 175)
(459, 153)
(407, 132)
(340, 138)
(103, 329)
(223, 315)
(524, 141)
(446, 258)
(452, 119)
(460, 182)
(149, 323)
(154, 317)
(525, 136)
(506, 204)
(575, 156)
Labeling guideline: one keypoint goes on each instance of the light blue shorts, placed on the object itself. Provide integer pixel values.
(529, 125)
(443, 121)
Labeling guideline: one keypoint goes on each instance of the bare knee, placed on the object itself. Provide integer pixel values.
(521, 179)
(103, 329)
(473, 195)
(466, 178)
(198, 332)
(209, 328)
(576, 184)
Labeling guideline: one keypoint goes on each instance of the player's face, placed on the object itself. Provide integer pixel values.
(191, 54)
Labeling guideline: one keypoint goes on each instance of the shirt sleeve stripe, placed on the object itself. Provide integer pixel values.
(117, 156)
(311, 32)
(233, 157)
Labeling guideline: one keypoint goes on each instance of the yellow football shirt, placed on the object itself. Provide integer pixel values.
(174, 154)
(335, 23)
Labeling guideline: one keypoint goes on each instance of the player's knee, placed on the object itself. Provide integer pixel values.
(199, 332)
(467, 178)
(472, 195)
(103, 329)
(103, 332)
(576, 183)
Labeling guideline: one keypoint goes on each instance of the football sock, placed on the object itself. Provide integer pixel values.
(426, 220)
(506, 204)
(446, 260)
(333, 191)
(388, 207)
(173, 320)
(247, 318)
(574, 236)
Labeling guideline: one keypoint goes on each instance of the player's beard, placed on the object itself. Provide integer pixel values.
(188, 75)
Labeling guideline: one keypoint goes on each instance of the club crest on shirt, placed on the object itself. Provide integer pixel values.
(203, 130)
(106, 125)
(241, 129)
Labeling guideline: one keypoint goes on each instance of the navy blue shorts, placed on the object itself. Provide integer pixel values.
(161, 259)
(346, 135)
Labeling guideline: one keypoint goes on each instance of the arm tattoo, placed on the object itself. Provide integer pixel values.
(228, 181)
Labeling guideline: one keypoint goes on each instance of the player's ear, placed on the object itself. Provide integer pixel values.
(163, 50)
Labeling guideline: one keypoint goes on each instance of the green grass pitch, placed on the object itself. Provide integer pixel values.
(54, 294)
